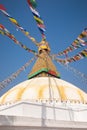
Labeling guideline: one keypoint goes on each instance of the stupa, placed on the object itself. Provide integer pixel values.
(44, 101)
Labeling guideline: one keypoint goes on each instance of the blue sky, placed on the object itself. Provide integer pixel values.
(64, 21)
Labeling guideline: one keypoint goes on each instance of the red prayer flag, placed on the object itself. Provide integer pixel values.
(1, 26)
(29, 2)
(2, 7)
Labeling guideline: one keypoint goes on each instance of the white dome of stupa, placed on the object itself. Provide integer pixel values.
(44, 88)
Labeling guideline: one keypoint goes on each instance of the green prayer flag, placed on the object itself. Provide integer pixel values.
(33, 2)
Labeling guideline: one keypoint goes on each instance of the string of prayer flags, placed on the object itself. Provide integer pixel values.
(80, 41)
(4, 31)
(15, 22)
(83, 34)
(13, 76)
(79, 56)
(40, 23)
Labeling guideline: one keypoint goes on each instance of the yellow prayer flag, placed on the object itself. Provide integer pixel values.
(1, 32)
(38, 20)
(27, 33)
(13, 20)
(85, 53)
(33, 39)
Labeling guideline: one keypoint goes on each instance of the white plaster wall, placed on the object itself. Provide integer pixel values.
(46, 111)
(80, 116)
(27, 123)
(13, 110)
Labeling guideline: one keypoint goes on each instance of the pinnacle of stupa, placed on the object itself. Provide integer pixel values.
(44, 66)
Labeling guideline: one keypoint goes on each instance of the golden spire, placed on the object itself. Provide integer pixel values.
(44, 66)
